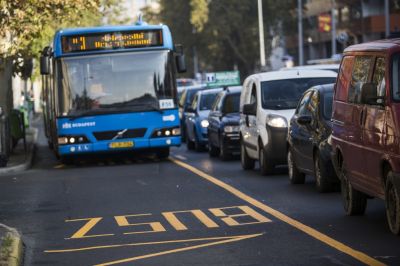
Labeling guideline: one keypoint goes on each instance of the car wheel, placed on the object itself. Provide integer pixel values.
(295, 176)
(354, 201)
(247, 162)
(223, 151)
(212, 150)
(322, 181)
(189, 143)
(266, 168)
(392, 203)
(163, 153)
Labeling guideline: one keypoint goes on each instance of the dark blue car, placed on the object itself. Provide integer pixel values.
(223, 128)
(196, 121)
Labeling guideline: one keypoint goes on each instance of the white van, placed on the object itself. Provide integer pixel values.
(267, 102)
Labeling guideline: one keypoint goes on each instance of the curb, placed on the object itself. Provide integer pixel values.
(29, 160)
(11, 248)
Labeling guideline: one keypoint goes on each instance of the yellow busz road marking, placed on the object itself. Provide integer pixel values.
(362, 257)
(231, 216)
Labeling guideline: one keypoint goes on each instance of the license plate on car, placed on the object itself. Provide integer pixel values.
(120, 145)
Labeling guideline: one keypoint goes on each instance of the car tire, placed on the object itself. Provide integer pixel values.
(392, 203)
(295, 176)
(212, 150)
(266, 168)
(246, 162)
(189, 143)
(223, 151)
(354, 201)
(322, 181)
(163, 153)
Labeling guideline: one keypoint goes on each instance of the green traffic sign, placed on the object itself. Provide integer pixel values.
(221, 79)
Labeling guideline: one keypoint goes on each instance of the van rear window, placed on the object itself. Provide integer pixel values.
(343, 82)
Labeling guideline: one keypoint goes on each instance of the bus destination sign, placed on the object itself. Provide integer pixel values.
(112, 40)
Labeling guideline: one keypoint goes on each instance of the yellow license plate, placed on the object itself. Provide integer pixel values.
(119, 145)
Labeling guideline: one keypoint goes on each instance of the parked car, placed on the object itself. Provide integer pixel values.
(308, 149)
(196, 119)
(267, 103)
(184, 102)
(223, 128)
(365, 129)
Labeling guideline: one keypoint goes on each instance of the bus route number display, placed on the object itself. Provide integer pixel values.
(112, 40)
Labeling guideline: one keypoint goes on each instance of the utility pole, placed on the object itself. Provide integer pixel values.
(333, 19)
(261, 34)
(300, 31)
(387, 19)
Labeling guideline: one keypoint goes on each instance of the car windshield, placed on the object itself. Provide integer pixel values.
(207, 100)
(284, 94)
(115, 82)
(231, 103)
(327, 107)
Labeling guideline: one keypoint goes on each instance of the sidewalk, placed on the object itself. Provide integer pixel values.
(11, 246)
(19, 159)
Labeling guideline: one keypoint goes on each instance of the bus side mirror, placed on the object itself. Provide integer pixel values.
(44, 65)
(180, 63)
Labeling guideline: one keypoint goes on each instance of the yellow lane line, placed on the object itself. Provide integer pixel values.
(150, 243)
(362, 257)
(228, 240)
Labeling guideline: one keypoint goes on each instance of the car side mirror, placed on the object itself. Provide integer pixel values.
(44, 65)
(250, 109)
(369, 95)
(304, 120)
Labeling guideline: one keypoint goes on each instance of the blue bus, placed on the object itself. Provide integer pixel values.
(111, 89)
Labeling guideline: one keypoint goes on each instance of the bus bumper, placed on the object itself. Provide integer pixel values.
(104, 146)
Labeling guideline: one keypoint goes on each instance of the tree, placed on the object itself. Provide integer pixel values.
(223, 32)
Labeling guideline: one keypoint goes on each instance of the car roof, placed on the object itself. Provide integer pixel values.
(317, 66)
(293, 74)
(380, 45)
(324, 88)
(210, 91)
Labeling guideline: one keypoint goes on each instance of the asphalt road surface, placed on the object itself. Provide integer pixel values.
(188, 210)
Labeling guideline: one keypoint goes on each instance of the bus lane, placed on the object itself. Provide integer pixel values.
(182, 216)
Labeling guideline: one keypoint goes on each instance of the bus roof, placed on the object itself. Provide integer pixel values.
(166, 36)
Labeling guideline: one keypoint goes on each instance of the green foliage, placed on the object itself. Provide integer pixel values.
(223, 32)
(29, 25)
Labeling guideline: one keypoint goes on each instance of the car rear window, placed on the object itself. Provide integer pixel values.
(285, 94)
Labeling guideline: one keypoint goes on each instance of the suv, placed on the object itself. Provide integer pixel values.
(196, 119)
(223, 128)
(267, 103)
(365, 127)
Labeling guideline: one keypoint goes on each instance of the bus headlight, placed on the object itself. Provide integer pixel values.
(65, 140)
(166, 132)
(231, 129)
(277, 121)
(204, 123)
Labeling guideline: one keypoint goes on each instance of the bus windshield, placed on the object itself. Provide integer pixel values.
(119, 82)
